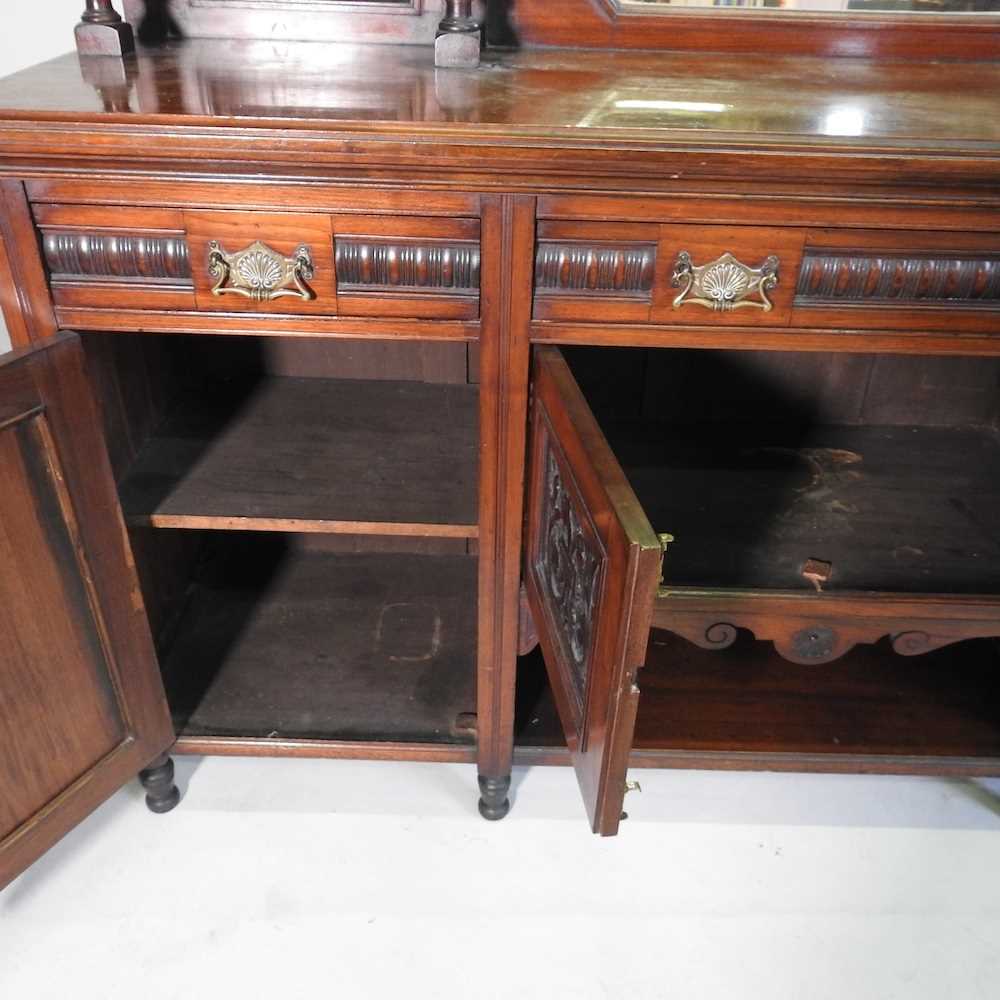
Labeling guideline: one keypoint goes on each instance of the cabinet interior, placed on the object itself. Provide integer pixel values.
(303, 515)
(885, 467)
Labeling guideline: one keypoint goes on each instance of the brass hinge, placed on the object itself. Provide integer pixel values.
(665, 539)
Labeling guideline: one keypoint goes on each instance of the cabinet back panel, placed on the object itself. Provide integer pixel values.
(689, 386)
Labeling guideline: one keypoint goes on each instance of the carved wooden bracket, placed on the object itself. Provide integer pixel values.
(821, 628)
(840, 277)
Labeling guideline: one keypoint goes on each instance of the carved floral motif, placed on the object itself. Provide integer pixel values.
(569, 569)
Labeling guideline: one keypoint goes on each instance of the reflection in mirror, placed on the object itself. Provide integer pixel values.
(818, 6)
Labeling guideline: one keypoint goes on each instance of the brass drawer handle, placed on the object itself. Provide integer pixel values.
(260, 273)
(724, 284)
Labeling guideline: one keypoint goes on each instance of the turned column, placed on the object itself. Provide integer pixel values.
(102, 32)
(458, 37)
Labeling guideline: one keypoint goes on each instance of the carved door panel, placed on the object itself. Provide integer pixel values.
(592, 568)
(82, 707)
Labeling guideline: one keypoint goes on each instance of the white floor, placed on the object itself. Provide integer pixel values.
(285, 879)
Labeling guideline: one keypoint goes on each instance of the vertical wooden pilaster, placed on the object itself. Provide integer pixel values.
(24, 290)
(508, 238)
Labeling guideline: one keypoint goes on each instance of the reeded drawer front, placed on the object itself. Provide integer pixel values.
(666, 274)
(795, 277)
(408, 267)
(280, 264)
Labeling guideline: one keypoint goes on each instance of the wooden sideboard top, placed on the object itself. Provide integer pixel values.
(557, 94)
(536, 120)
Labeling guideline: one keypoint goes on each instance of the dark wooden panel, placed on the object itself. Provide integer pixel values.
(383, 645)
(689, 387)
(424, 361)
(892, 508)
(354, 455)
(74, 722)
(943, 392)
(54, 658)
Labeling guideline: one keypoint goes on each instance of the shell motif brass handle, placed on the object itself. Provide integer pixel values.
(724, 284)
(260, 273)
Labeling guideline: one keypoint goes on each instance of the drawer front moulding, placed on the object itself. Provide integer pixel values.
(567, 268)
(434, 267)
(889, 279)
(100, 256)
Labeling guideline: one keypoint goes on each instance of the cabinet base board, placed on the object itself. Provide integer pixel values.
(228, 746)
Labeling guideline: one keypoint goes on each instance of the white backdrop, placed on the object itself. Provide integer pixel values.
(31, 33)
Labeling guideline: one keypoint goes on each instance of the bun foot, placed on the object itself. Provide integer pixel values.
(494, 804)
(158, 780)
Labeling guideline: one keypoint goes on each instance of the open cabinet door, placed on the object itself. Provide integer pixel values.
(592, 568)
(82, 708)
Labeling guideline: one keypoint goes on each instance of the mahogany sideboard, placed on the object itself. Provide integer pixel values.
(340, 382)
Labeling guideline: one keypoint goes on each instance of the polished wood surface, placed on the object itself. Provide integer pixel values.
(567, 97)
(313, 454)
(82, 706)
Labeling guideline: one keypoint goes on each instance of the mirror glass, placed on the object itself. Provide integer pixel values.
(819, 6)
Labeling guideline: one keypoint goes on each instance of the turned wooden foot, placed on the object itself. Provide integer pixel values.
(158, 780)
(493, 803)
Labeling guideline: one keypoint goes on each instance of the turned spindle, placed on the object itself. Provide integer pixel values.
(102, 32)
(458, 37)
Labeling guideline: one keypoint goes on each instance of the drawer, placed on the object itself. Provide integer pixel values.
(796, 277)
(810, 537)
(666, 274)
(259, 264)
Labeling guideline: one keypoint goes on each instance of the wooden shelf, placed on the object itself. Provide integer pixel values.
(314, 455)
(279, 643)
(747, 707)
(894, 509)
